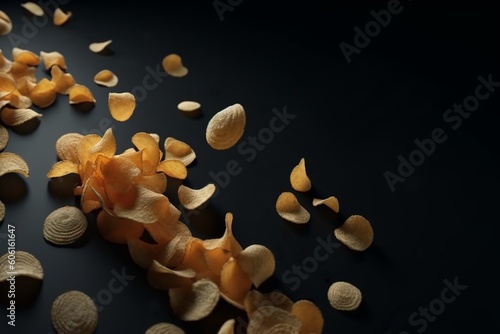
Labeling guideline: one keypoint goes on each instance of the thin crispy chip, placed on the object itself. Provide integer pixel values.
(149, 206)
(62, 168)
(80, 94)
(65, 225)
(164, 328)
(310, 315)
(227, 327)
(33, 8)
(66, 146)
(121, 105)
(25, 85)
(258, 262)
(118, 230)
(5, 64)
(25, 57)
(99, 46)
(226, 127)
(173, 168)
(53, 58)
(332, 202)
(61, 17)
(74, 312)
(289, 208)
(298, 177)
(106, 78)
(8, 85)
(13, 163)
(5, 23)
(227, 242)
(44, 93)
(26, 264)
(356, 233)
(64, 81)
(344, 296)
(194, 198)
(172, 64)
(163, 278)
(234, 281)
(2, 211)
(194, 302)
(255, 299)
(143, 253)
(4, 137)
(178, 150)
(188, 106)
(266, 318)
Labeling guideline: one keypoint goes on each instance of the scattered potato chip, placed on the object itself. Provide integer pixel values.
(121, 105)
(272, 319)
(226, 127)
(61, 17)
(289, 208)
(194, 302)
(74, 312)
(52, 59)
(106, 78)
(13, 163)
(4, 137)
(255, 299)
(188, 106)
(5, 23)
(164, 328)
(44, 93)
(332, 202)
(25, 57)
(80, 94)
(15, 117)
(298, 177)
(172, 64)
(65, 225)
(173, 168)
(66, 146)
(62, 168)
(344, 296)
(258, 262)
(64, 81)
(7, 85)
(356, 233)
(310, 315)
(227, 327)
(194, 198)
(99, 46)
(33, 8)
(5, 64)
(2, 211)
(26, 265)
(178, 150)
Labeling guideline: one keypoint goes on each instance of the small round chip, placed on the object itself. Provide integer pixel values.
(332, 202)
(289, 208)
(188, 106)
(121, 105)
(164, 328)
(298, 177)
(33, 8)
(65, 225)
(26, 265)
(344, 296)
(172, 64)
(226, 127)
(74, 312)
(194, 302)
(106, 78)
(194, 198)
(99, 46)
(4, 137)
(61, 17)
(5, 23)
(356, 233)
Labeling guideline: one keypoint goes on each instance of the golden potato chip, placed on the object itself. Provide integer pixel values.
(25, 57)
(65, 225)
(5, 64)
(227, 327)
(66, 146)
(5, 23)
(227, 242)
(4, 137)
(19, 70)
(257, 261)
(310, 315)
(2, 211)
(178, 150)
(7, 85)
(298, 177)
(234, 282)
(194, 258)
(74, 312)
(106, 78)
(52, 59)
(173, 168)
(121, 105)
(255, 299)
(226, 127)
(62, 168)
(188, 106)
(194, 302)
(194, 198)
(356, 233)
(151, 151)
(172, 64)
(25, 85)
(64, 82)
(164, 328)
(26, 265)
(106, 146)
(118, 230)
(289, 208)
(164, 278)
(149, 206)
(80, 94)
(344, 296)
(332, 202)
(18, 101)
(33, 8)
(99, 46)
(13, 163)
(61, 17)
(266, 318)
(44, 93)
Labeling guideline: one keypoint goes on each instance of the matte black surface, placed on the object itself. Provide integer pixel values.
(351, 122)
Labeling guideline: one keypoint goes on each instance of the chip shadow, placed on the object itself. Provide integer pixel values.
(27, 127)
(12, 188)
(64, 186)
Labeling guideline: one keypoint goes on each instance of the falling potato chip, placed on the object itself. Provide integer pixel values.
(272, 319)
(80, 94)
(173, 168)
(356, 233)
(13, 163)
(64, 82)
(7, 85)
(164, 328)
(178, 150)
(188, 106)
(26, 264)
(332, 202)
(344, 296)
(99, 46)
(25, 57)
(53, 58)
(5, 23)
(226, 127)
(194, 302)
(310, 315)
(65, 225)
(61, 17)
(44, 93)
(5, 64)
(2, 211)
(74, 312)
(4, 137)
(172, 64)
(194, 198)
(15, 117)
(121, 105)
(33, 8)
(298, 177)
(106, 78)
(289, 208)
(62, 168)
(255, 299)
(66, 146)
(258, 262)
(227, 327)
(234, 281)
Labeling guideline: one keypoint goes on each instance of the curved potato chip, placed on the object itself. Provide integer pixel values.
(25, 57)
(64, 81)
(65, 225)
(255, 299)
(53, 58)
(13, 163)
(44, 93)
(25, 85)
(344, 296)
(151, 151)
(5, 23)
(5, 64)
(26, 265)
(298, 177)
(163, 278)
(226, 127)
(118, 230)
(231, 301)
(143, 253)
(66, 146)
(173, 168)
(99, 46)
(164, 328)
(33, 8)
(194, 198)
(332, 202)
(2, 211)
(121, 105)
(4, 137)
(227, 327)
(61, 17)
(289, 208)
(80, 94)
(194, 302)
(356, 233)
(149, 206)
(19, 70)
(234, 281)
(258, 262)
(266, 318)
(106, 78)
(178, 150)
(310, 315)
(74, 312)
(18, 101)
(172, 64)
(8, 85)
(227, 242)
(62, 168)
(188, 106)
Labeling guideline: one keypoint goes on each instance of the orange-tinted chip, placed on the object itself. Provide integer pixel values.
(80, 94)
(7, 85)
(332, 202)
(173, 168)
(44, 93)
(162, 278)
(289, 208)
(61, 17)
(5, 64)
(178, 150)
(106, 78)
(310, 315)
(121, 105)
(25, 57)
(356, 233)
(118, 230)
(64, 82)
(298, 177)
(62, 168)
(172, 64)
(234, 282)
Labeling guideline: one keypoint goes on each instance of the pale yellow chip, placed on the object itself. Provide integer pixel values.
(226, 127)
(332, 202)
(61, 17)
(272, 319)
(258, 262)
(63, 81)
(255, 299)
(121, 105)
(178, 150)
(8, 85)
(80, 94)
(356, 233)
(173, 168)
(74, 312)
(188, 106)
(194, 198)
(66, 146)
(310, 315)
(65, 226)
(43, 94)
(289, 208)
(13, 163)
(15, 117)
(2, 211)
(106, 78)
(344, 296)
(5, 64)
(52, 59)
(4, 137)
(298, 177)
(33, 8)
(227, 327)
(26, 264)
(164, 328)
(99, 46)
(172, 64)
(194, 302)
(26, 57)
(5, 23)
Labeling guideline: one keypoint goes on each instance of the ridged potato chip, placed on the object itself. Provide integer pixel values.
(164, 328)
(80, 94)
(2, 211)
(25, 57)
(121, 105)
(53, 58)
(106, 78)
(258, 262)
(44, 93)
(74, 312)
(227, 327)
(310, 315)
(27, 265)
(5, 23)
(332, 202)
(13, 163)
(188, 106)
(63, 81)
(172, 64)
(298, 177)
(65, 225)
(356, 233)
(194, 198)
(344, 296)
(99, 46)
(226, 127)
(61, 17)
(15, 117)
(194, 302)
(272, 319)
(66, 146)
(178, 150)
(33, 8)
(289, 208)
(4, 137)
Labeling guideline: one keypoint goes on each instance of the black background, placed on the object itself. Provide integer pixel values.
(352, 122)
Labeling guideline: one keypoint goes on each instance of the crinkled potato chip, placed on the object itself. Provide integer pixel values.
(258, 262)
(310, 315)
(13, 163)
(173, 168)
(15, 117)
(332, 202)
(255, 299)
(164, 328)
(178, 150)
(121, 105)
(194, 302)
(227, 327)
(66, 146)
(194, 198)
(25, 57)
(4, 137)
(33, 8)
(289, 208)
(74, 312)
(266, 318)
(53, 58)
(65, 225)
(106, 78)
(99, 46)
(226, 127)
(298, 177)
(5, 23)
(2, 211)
(44, 93)
(172, 64)
(188, 106)
(64, 81)
(61, 17)
(27, 265)
(80, 94)
(356, 233)
(344, 296)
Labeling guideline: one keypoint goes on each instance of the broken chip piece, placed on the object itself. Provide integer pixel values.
(99, 46)
(5, 23)
(289, 208)
(61, 17)
(332, 202)
(226, 127)
(172, 64)
(121, 105)
(194, 198)
(33, 8)
(356, 233)
(65, 225)
(106, 78)
(344, 296)
(74, 312)
(298, 177)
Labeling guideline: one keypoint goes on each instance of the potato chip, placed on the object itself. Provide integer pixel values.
(227, 327)
(121, 105)
(65, 225)
(172, 64)
(4, 137)
(344, 296)
(62, 168)
(7, 85)
(66, 146)
(234, 282)
(25, 85)
(15, 117)
(52, 59)
(310, 315)
(27, 265)
(188, 106)
(258, 262)
(5, 23)
(272, 319)
(99, 46)
(64, 82)
(173, 168)
(2, 211)
(25, 57)
(164, 328)
(298, 177)
(74, 312)
(255, 299)
(332, 202)
(61, 17)
(106, 78)
(227, 242)
(118, 230)
(13, 163)
(178, 150)
(44, 93)
(163, 278)
(33, 8)
(80, 94)
(226, 127)
(289, 208)
(5, 64)
(18, 101)
(356, 233)
(194, 198)
(194, 302)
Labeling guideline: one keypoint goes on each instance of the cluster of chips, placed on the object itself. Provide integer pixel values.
(10, 163)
